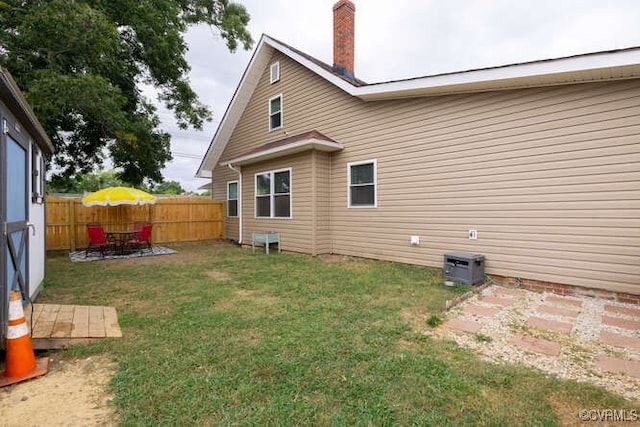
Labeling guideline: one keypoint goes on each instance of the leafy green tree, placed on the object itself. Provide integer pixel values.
(168, 187)
(80, 63)
(99, 180)
(92, 181)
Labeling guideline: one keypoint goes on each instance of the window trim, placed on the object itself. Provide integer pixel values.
(272, 194)
(274, 72)
(38, 170)
(281, 112)
(375, 183)
(236, 199)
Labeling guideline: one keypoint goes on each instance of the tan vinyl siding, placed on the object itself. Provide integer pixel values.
(549, 177)
(322, 192)
(536, 179)
(296, 232)
(220, 178)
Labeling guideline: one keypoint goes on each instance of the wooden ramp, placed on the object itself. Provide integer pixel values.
(58, 326)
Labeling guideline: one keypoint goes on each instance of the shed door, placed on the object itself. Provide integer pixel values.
(14, 231)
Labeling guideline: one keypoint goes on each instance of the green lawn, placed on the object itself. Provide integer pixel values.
(216, 335)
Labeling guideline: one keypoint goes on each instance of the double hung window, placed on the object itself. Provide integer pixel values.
(362, 184)
(273, 194)
(274, 72)
(275, 112)
(232, 198)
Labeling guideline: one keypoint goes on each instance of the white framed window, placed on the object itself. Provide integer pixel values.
(37, 175)
(232, 198)
(362, 184)
(275, 72)
(273, 194)
(275, 112)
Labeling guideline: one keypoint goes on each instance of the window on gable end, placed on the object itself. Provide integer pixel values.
(275, 72)
(275, 113)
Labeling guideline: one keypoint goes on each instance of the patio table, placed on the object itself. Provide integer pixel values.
(121, 237)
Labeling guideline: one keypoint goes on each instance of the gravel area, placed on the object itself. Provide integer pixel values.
(579, 349)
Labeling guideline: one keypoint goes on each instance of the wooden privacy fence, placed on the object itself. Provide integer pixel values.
(174, 219)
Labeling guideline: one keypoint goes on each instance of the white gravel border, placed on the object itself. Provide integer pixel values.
(580, 349)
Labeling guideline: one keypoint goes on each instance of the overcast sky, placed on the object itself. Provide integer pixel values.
(400, 39)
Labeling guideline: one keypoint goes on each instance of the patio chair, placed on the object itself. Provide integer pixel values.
(98, 240)
(142, 238)
(137, 226)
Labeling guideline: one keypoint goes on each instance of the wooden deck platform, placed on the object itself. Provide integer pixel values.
(58, 326)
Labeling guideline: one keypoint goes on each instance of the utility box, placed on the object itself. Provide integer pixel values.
(463, 268)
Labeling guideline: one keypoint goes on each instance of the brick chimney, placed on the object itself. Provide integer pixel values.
(344, 13)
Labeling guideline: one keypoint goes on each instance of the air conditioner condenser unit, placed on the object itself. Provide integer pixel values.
(464, 268)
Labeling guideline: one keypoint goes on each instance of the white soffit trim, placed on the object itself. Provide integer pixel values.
(614, 65)
(609, 65)
(285, 150)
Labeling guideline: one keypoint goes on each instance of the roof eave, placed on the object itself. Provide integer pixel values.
(240, 98)
(285, 150)
(22, 110)
(602, 66)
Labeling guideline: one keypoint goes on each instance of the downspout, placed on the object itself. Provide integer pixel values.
(239, 201)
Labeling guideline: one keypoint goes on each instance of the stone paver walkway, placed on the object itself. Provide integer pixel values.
(582, 338)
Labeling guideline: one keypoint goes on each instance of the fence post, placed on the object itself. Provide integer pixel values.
(72, 224)
(151, 213)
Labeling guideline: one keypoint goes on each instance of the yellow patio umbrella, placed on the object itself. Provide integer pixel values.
(114, 196)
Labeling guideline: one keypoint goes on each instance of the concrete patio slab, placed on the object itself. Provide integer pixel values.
(563, 300)
(558, 311)
(463, 325)
(618, 340)
(619, 322)
(481, 310)
(552, 325)
(635, 312)
(612, 364)
(537, 345)
(504, 302)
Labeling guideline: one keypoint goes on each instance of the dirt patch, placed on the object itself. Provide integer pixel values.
(565, 409)
(218, 276)
(415, 318)
(73, 392)
(257, 297)
(333, 259)
(184, 254)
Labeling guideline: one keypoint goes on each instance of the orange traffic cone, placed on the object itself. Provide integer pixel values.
(20, 362)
